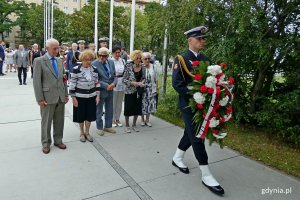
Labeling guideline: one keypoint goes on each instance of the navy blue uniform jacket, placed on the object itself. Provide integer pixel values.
(179, 83)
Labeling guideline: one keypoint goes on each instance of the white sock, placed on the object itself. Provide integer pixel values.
(178, 158)
(207, 177)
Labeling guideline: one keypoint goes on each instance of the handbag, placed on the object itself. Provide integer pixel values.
(140, 90)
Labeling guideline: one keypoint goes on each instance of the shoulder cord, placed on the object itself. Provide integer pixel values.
(182, 62)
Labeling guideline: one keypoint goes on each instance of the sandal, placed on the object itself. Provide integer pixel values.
(89, 137)
(82, 138)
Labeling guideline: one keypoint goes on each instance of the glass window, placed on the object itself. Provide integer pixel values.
(66, 10)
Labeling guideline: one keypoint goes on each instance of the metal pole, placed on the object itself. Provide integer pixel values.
(96, 26)
(44, 23)
(132, 25)
(49, 25)
(52, 19)
(164, 81)
(111, 21)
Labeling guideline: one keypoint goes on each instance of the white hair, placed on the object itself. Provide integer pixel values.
(146, 55)
(35, 45)
(103, 49)
(51, 41)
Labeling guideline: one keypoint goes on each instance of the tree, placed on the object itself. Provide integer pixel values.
(7, 9)
(258, 39)
(31, 22)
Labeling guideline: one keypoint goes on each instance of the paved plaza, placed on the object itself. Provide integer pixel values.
(117, 166)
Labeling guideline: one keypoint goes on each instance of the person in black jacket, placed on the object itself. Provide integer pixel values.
(180, 80)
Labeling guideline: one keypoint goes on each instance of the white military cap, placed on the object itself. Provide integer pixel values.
(103, 39)
(81, 42)
(199, 31)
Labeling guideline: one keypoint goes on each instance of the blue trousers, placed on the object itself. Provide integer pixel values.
(106, 101)
(1, 67)
(188, 139)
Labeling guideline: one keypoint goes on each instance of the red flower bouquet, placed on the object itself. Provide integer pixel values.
(212, 100)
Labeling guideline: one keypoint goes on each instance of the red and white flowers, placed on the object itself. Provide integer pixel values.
(199, 98)
(212, 100)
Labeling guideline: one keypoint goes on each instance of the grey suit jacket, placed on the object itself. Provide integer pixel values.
(22, 60)
(103, 77)
(46, 85)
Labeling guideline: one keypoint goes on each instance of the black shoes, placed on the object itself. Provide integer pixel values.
(183, 170)
(2, 74)
(20, 83)
(24, 83)
(215, 189)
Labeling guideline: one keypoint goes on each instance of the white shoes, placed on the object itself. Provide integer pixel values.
(177, 161)
(207, 177)
(127, 129)
(135, 129)
(115, 124)
(210, 182)
(178, 158)
(146, 123)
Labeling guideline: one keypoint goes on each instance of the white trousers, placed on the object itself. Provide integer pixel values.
(118, 100)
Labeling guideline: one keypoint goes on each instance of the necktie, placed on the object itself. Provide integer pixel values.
(106, 69)
(54, 66)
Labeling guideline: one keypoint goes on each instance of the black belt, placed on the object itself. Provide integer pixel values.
(85, 91)
(119, 76)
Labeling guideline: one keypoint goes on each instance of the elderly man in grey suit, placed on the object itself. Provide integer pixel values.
(108, 81)
(22, 63)
(51, 94)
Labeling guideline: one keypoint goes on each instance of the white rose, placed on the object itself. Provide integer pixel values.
(211, 82)
(199, 98)
(213, 122)
(214, 69)
(220, 135)
(224, 101)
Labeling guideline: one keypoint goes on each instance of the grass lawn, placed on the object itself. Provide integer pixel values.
(256, 143)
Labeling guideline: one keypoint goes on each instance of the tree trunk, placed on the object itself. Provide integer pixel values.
(267, 86)
(257, 88)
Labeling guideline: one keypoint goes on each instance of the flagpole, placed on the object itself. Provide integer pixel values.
(132, 25)
(96, 26)
(49, 25)
(111, 24)
(52, 19)
(45, 23)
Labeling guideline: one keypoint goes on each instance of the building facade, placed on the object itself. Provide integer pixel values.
(68, 7)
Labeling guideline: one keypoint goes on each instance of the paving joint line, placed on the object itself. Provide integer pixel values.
(140, 192)
(121, 188)
(24, 121)
(33, 147)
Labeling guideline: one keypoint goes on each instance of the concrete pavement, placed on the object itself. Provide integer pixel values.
(116, 166)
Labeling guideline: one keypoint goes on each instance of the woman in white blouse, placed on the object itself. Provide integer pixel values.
(151, 90)
(119, 89)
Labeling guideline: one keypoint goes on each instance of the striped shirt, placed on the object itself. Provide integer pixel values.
(83, 84)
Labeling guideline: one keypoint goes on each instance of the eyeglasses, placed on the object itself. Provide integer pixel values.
(103, 55)
(138, 58)
(146, 58)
